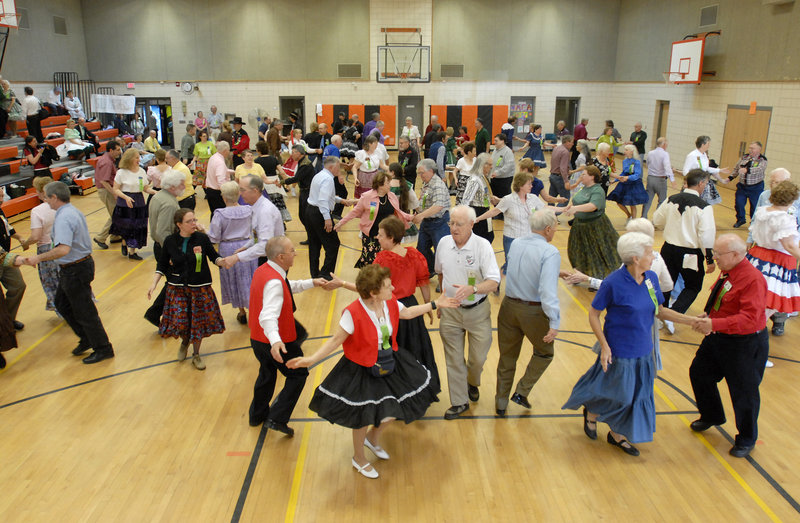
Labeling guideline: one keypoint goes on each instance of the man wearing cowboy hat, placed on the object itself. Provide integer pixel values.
(241, 141)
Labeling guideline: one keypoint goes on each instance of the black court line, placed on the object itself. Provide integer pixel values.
(764, 474)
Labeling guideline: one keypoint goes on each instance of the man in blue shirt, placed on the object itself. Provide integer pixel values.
(530, 309)
(319, 223)
(72, 247)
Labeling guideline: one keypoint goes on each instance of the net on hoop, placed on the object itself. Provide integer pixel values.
(672, 77)
(403, 78)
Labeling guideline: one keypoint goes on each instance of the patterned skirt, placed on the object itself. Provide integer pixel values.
(191, 312)
(131, 222)
(235, 282)
(780, 270)
(622, 397)
(277, 200)
(412, 336)
(710, 194)
(592, 247)
(629, 193)
(199, 174)
(369, 249)
(48, 275)
(352, 397)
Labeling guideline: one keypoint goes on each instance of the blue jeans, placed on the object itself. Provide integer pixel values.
(743, 194)
(506, 246)
(431, 230)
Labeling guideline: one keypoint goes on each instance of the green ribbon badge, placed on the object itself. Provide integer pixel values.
(725, 288)
(652, 291)
(386, 338)
(199, 258)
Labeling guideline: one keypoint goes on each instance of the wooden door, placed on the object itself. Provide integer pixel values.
(741, 129)
(660, 123)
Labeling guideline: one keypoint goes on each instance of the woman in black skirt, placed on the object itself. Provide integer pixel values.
(129, 218)
(373, 383)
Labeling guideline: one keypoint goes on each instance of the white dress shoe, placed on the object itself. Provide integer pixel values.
(371, 474)
(377, 450)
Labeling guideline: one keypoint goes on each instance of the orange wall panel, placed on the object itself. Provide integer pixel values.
(327, 114)
(499, 117)
(439, 111)
(389, 118)
(359, 110)
(468, 115)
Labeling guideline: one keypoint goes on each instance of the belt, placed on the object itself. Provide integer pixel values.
(234, 240)
(433, 218)
(76, 261)
(534, 303)
(471, 305)
(724, 335)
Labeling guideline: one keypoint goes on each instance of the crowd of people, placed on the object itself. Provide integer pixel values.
(388, 370)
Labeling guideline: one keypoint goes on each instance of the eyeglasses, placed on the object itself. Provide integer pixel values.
(459, 224)
(193, 220)
(718, 254)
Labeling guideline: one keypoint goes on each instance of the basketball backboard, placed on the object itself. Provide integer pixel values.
(8, 13)
(686, 61)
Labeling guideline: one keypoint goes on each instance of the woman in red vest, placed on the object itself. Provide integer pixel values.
(373, 383)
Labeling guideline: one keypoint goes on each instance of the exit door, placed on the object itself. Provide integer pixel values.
(742, 129)
(289, 105)
(567, 110)
(660, 123)
(410, 106)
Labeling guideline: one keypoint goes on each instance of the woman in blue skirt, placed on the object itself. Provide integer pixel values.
(373, 383)
(630, 191)
(536, 147)
(618, 388)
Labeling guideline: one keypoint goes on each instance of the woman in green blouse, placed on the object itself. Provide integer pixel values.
(203, 150)
(592, 244)
(608, 137)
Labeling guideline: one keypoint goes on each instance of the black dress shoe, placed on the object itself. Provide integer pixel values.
(304, 242)
(98, 356)
(738, 224)
(256, 422)
(519, 399)
(135, 256)
(100, 244)
(2, 361)
(456, 411)
(280, 427)
(80, 349)
(625, 445)
(740, 451)
(699, 425)
(18, 325)
(242, 318)
(473, 392)
(501, 413)
(124, 250)
(591, 432)
(777, 329)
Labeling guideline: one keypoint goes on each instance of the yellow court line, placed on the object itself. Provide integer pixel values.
(54, 329)
(739, 479)
(291, 507)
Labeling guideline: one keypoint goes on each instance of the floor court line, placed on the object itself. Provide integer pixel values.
(735, 475)
(60, 325)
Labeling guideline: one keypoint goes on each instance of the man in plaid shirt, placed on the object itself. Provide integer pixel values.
(433, 216)
(751, 168)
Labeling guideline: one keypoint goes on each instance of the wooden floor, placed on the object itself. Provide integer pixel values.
(143, 438)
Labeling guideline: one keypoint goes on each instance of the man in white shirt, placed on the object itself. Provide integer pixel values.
(689, 234)
(214, 123)
(276, 337)
(468, 270)
(659, 169)
(74, 106)
(265, 222)
(54, 101)
(319, 222)
(30, 110)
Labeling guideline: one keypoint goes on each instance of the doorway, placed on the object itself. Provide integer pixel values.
(743, 127)
(660, 123)
(157, 115)
(410, 106)
(289, 105)
(567, 110)
(523, 108)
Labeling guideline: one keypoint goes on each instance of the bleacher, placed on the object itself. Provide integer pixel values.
(14, 168)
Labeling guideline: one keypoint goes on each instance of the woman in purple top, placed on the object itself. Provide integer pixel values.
(230, 228)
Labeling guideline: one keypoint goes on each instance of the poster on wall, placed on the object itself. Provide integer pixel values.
(522, 107)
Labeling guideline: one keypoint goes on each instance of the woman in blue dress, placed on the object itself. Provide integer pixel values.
(618, 388)
(630, 191)
(536, 146)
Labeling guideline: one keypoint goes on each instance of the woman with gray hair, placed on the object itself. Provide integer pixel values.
(605, 163)
(618, 388)
(230, 228)
(478, 194)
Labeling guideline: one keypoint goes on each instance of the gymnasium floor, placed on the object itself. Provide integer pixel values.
(144, 438)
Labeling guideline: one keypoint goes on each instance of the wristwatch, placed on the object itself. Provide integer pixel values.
(433, 305)
(475, 289)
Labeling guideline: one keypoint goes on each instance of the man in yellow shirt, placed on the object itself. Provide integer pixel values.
(151, 144)
(187, 199)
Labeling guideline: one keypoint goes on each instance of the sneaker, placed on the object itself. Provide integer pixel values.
(769, 365)
(197, 361)
(670, 326)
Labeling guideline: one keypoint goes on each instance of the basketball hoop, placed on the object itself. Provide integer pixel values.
(672, 77)
(9, 19)
(403, 78)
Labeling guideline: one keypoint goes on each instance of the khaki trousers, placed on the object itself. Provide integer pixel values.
(516, 321)
(110, 201)
(476, 324)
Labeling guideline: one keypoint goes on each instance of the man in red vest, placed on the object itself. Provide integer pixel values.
(276, 336)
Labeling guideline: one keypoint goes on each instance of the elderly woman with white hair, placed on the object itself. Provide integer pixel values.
(605, 164)
(230, 228)
(618, 388)
(411, 132)
(630, 191)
